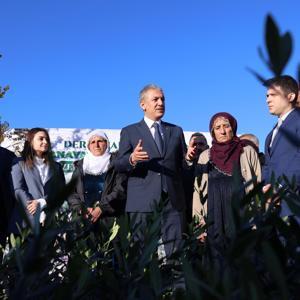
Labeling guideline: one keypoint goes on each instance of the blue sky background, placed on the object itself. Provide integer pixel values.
(81, 63)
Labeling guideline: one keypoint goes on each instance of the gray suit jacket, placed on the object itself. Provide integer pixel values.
(28, 185)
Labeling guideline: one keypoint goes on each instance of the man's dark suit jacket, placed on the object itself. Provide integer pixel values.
(7, 200)
(145, 179)
(284, 155)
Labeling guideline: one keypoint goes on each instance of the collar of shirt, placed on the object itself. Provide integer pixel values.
(286, 115)
(150, 122)
(42, 167)
(39, 161)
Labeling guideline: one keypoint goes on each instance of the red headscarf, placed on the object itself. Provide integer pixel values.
(225, 156)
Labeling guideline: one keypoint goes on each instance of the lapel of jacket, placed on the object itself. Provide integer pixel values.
(268, 142)
(281, 130)
(167, 133)
(50, 174)
(147, 138)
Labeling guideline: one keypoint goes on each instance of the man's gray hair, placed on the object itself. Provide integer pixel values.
(148, 87)
(251, 137)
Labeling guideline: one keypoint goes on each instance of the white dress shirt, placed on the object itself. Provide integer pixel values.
(150, 123)
(43, 169)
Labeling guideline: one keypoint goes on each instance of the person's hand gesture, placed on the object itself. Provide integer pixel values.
(192, 150)
(138, 154)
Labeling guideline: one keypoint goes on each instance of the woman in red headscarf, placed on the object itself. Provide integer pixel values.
(215, 183)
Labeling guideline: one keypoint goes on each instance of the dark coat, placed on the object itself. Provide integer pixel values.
(145, 180)
(284, 155)
(113, 197)
(7, 200)
(283, 158)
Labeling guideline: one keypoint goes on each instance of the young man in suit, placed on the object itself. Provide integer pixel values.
(153, 153)
(282, 151)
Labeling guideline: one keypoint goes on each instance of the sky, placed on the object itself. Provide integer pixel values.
(82, 63)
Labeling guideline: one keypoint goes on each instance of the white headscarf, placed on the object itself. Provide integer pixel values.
(96, 165)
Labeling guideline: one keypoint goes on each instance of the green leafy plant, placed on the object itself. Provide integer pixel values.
(68, 258)
(4, 89)
(278, 50)
(3, 125)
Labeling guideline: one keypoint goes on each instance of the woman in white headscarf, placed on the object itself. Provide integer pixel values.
(99, 190)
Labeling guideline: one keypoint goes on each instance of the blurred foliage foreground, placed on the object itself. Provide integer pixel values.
(68, 259)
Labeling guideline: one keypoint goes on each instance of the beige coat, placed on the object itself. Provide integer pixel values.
(249, 163)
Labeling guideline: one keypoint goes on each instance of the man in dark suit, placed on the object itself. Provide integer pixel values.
(7, 200)
(153, 153)
(282, 151)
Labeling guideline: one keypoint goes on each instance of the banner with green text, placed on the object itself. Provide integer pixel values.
(68, 144)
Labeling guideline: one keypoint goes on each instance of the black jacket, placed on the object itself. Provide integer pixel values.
(7, 200)
(113, 197)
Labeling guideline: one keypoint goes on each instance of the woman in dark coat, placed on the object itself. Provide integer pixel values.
(216, 186)
(99, 190)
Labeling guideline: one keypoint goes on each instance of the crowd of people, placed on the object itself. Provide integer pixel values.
(196, 182)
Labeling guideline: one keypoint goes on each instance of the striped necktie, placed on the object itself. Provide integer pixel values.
(158, 138)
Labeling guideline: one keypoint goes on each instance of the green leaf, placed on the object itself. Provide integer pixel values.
(12, 240)
(155, 277)
(279, 48)
(263, 58)
(114, 231)
(258, 76)
(286, 49)
(272, 43)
